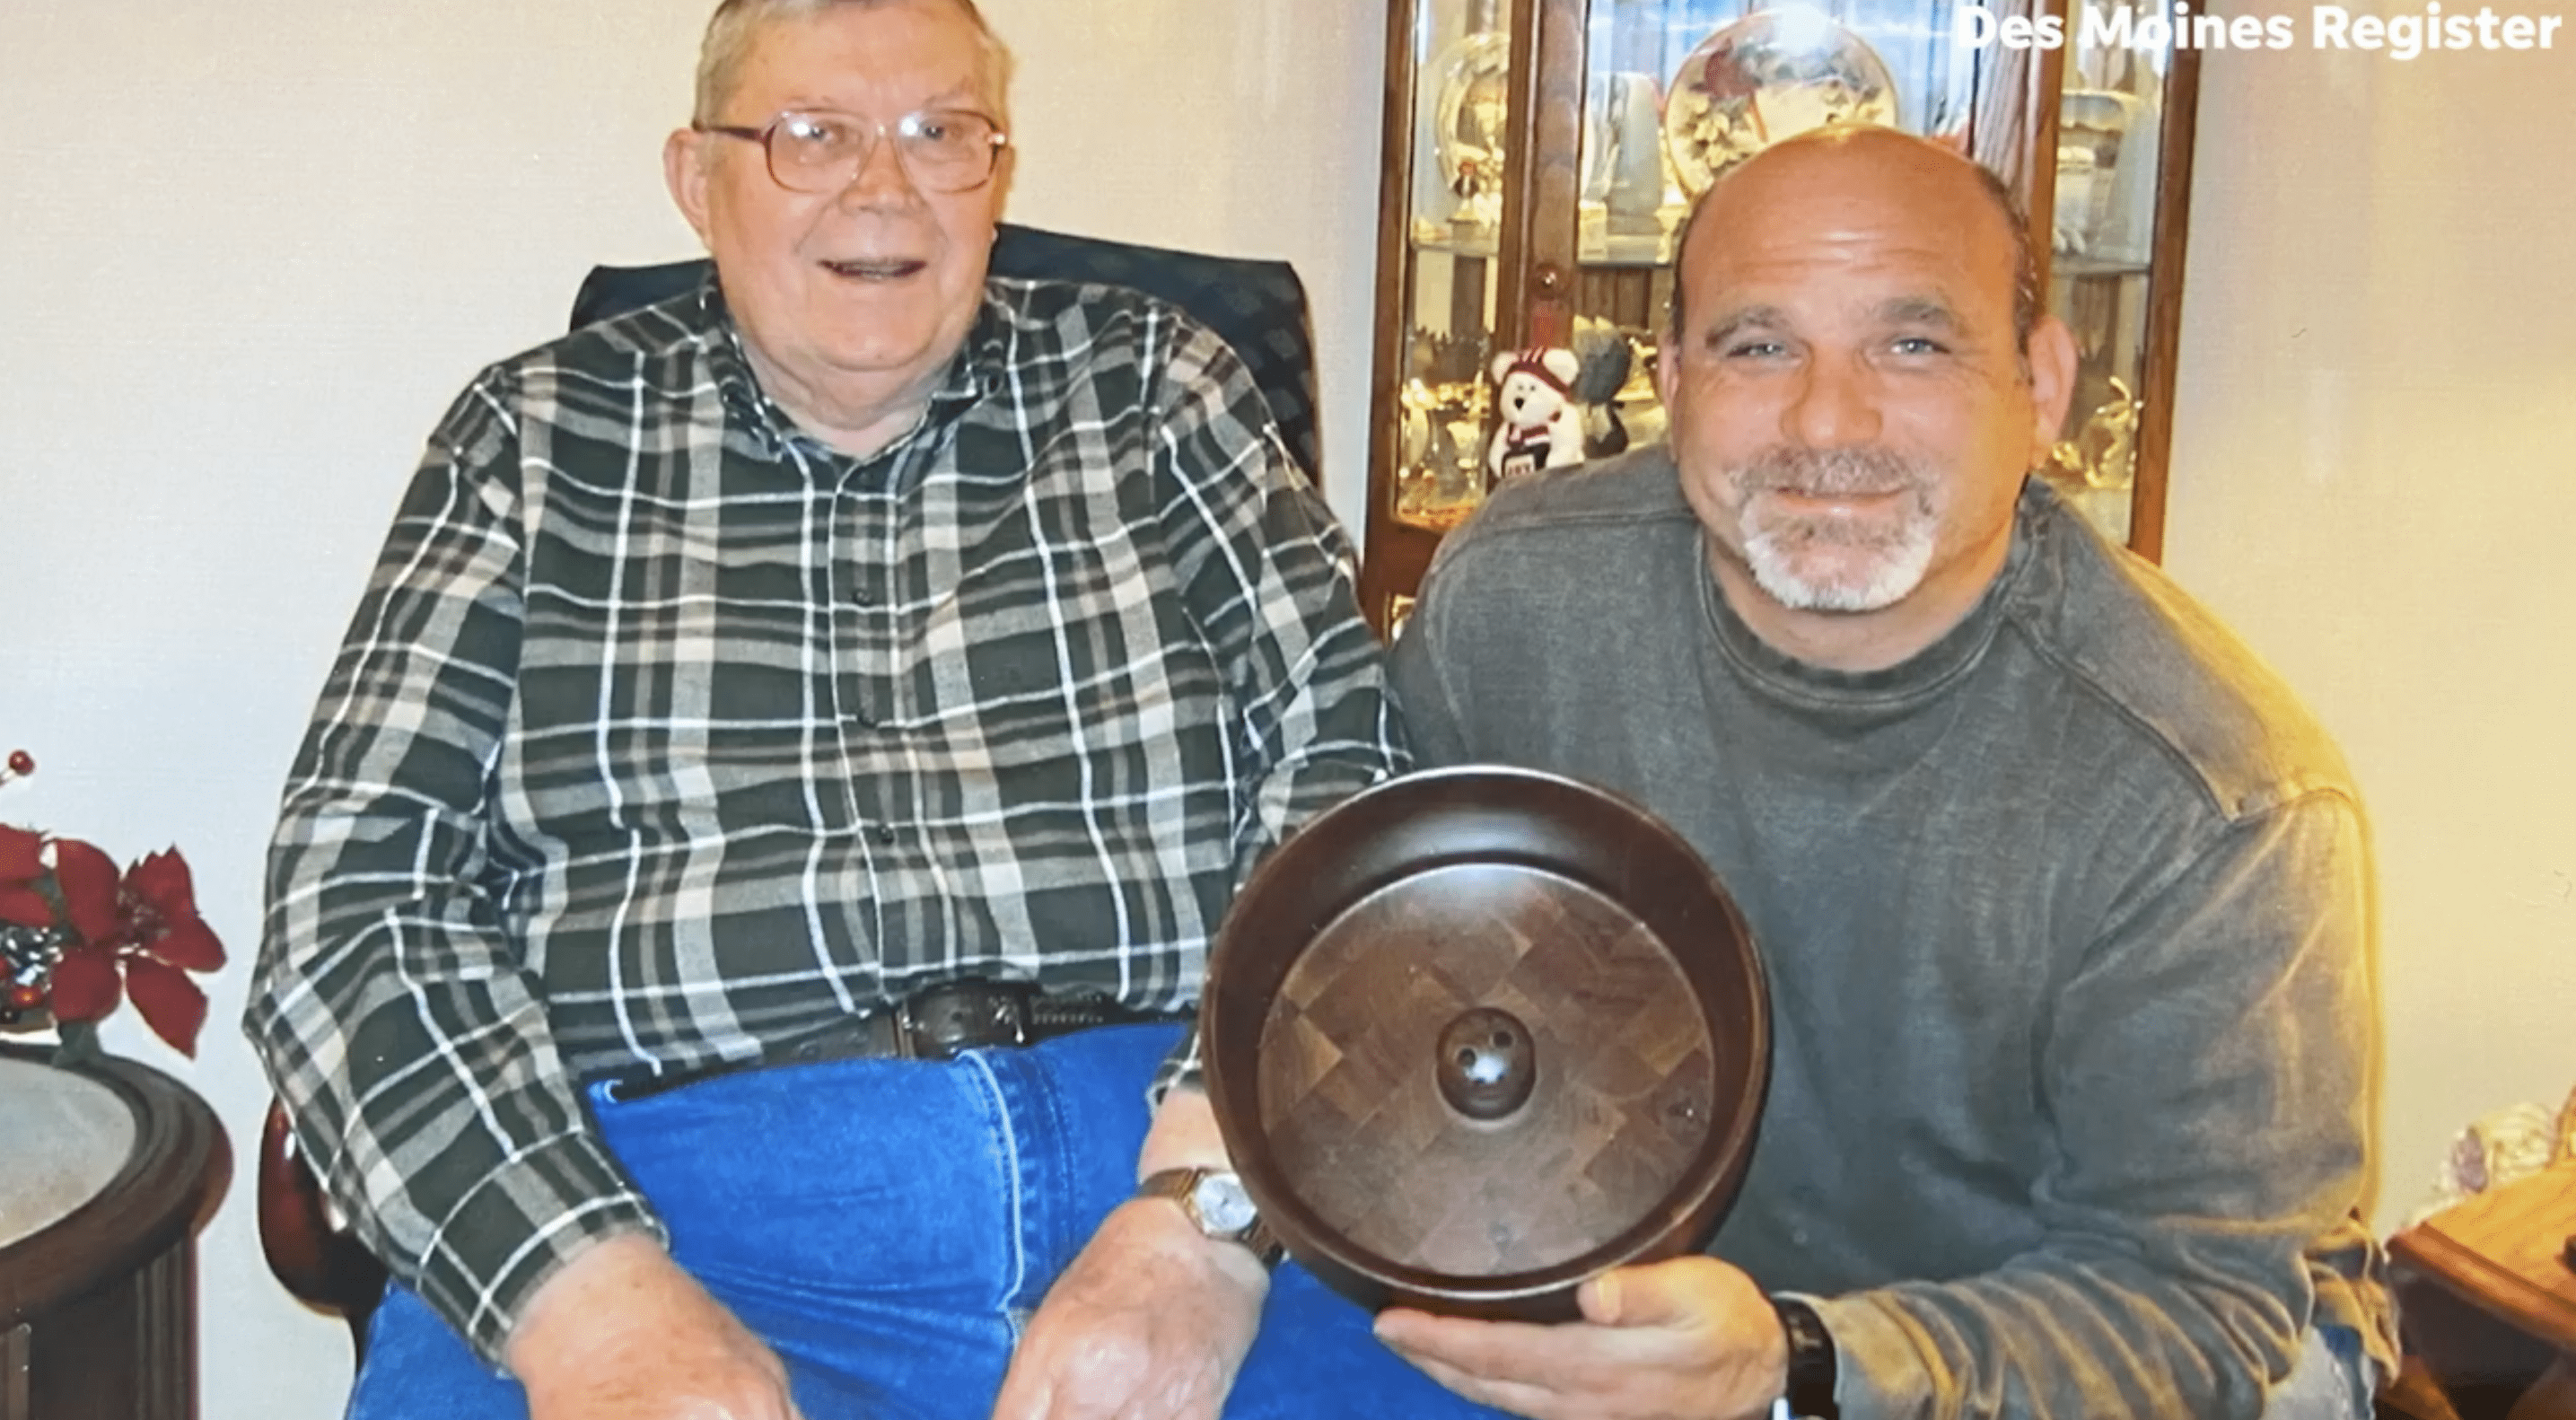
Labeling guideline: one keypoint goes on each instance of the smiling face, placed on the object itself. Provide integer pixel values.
(850, 303)
(1849, 406)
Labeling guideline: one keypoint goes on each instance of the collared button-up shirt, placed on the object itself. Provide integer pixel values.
(664, 732)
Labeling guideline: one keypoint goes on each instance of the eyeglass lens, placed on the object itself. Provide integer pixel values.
(824, 152)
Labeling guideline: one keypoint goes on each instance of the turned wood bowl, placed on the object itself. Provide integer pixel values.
(1478, 1034)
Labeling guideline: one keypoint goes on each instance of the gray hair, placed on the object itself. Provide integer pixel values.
(2025, 260)
(737, 22)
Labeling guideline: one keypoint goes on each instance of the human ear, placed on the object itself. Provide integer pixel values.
(1004, 168)
(2052, 360)
(684, 170)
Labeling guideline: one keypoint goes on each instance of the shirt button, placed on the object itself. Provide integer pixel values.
(885, 834)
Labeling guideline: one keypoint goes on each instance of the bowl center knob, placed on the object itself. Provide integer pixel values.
(1487, 1064)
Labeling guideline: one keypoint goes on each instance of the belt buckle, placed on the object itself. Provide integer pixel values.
(938, 1021)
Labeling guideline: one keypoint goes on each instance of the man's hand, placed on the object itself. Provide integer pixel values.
(1150, 1322)
(622, 1333)
(1689, 1339)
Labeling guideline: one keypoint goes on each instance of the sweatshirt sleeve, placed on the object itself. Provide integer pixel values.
(2206, 1073)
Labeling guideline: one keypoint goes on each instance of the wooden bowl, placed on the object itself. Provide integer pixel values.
(1478, 1034)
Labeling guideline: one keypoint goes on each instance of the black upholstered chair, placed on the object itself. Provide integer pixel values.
(1258, 307)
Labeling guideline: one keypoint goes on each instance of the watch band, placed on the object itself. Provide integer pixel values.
(1182, 1187)
(1812, 1366)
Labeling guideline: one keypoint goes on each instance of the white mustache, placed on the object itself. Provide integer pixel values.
(1826, 472)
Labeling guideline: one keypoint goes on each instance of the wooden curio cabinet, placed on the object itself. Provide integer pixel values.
(1540, 154)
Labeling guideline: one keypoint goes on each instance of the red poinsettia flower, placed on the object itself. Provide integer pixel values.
(21, 863)
(132, 934)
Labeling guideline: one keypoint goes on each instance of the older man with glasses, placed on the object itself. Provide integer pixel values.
(763, 832)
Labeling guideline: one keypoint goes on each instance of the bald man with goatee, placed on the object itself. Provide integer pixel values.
(2063, 898)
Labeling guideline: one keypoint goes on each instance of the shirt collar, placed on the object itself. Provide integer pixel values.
(976, 371)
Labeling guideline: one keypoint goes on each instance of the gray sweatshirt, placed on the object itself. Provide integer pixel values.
(2066, 921)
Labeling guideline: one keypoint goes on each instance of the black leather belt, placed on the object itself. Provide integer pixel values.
(933, 1023)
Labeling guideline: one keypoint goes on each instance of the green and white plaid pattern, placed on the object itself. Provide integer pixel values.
(664, 732)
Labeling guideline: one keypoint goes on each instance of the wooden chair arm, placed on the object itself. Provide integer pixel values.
(317, 1259)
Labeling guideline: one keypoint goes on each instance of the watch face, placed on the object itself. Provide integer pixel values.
(1224, 1208)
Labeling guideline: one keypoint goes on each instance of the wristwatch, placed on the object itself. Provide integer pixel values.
(1217, 1205)
(1812, 1366)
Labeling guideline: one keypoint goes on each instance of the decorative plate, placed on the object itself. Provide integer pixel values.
(1764, 77)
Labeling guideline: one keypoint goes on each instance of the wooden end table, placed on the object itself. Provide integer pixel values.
(2503, 1253)
(107, 1173)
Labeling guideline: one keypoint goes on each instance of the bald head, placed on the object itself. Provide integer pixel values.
(1898, 168)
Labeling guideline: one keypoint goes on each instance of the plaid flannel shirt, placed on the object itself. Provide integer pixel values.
(664, 732)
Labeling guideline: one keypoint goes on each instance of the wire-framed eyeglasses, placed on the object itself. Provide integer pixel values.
(818, 151)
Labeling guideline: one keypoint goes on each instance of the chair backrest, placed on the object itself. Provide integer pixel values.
(1258, 307)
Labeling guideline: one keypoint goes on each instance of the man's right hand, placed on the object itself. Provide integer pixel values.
(622, 1333)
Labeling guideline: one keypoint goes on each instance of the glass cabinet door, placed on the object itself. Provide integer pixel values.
(2118, 214)
(1462, 107)
(1541, 154)
(1450, 104)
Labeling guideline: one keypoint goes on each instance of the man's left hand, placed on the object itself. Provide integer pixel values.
(1688, 1339)
(1150, 1322)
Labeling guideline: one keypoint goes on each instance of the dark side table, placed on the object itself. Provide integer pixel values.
(2490, 1299)
(107, 1172)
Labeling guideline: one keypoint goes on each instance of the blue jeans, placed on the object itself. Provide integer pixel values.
(888, 1226)
(2330, 1381)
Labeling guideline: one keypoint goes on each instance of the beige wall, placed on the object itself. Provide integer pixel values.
(249, 249)
(2375, 480)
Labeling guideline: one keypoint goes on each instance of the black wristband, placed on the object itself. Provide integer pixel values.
(1812, 1368)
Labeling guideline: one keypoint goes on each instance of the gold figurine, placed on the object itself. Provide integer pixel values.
(2104, 453)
